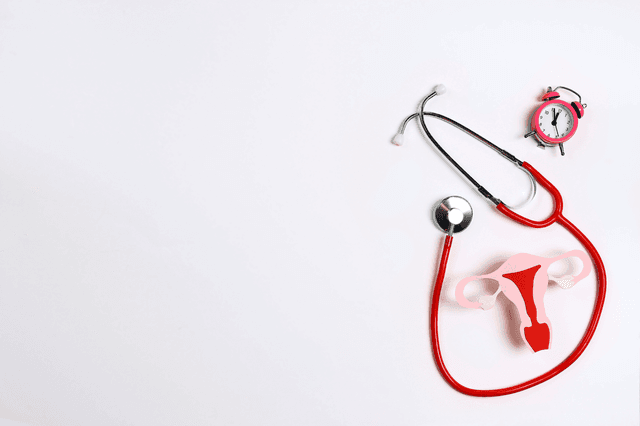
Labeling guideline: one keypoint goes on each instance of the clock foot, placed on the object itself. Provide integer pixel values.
(562, 149)
(530, 134)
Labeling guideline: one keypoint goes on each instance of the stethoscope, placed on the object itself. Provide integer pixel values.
(454, 215)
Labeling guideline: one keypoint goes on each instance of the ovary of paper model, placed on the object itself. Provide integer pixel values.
(523, 279)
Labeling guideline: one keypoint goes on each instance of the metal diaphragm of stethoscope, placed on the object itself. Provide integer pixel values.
(454, 214)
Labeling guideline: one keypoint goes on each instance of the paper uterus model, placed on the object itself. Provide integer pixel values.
(523, 279)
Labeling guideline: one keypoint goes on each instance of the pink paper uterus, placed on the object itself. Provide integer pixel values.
(523, 279)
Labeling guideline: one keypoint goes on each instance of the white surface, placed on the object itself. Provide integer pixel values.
(455, 216)
(203, 220)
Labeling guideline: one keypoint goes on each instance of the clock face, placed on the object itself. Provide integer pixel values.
(555, 122)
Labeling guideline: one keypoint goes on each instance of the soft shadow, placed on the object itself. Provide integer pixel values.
(509, 321)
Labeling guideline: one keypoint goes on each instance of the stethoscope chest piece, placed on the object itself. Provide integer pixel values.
(453, 214)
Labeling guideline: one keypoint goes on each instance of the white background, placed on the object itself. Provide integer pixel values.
(203, 221)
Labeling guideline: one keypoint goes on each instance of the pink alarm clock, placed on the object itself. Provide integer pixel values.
(555, 121)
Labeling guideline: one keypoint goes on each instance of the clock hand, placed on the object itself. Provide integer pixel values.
(555, 117)
(557, 133)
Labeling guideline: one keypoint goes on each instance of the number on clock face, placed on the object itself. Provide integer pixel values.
(555, 121)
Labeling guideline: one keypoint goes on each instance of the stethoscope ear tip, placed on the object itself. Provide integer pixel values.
(398, 139)
(440, 89)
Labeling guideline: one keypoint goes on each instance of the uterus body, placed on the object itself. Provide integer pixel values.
(523, 279)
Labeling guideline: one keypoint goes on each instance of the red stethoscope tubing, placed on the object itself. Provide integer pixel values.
(556, 216)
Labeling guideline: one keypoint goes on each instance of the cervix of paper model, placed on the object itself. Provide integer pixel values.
(523, 279)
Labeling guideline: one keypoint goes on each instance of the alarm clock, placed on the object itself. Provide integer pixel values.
(555, 121)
